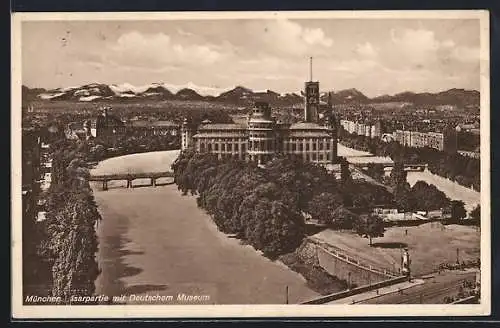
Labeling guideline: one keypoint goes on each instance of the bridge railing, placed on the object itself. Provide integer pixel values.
(131, 176)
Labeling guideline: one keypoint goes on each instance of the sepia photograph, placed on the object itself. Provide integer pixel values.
(250, 164)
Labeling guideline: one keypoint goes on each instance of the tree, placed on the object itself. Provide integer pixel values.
(403, 197)
(427, 197)
(343, 218)
(458, 211)
(375, 170)
(398, 174)
(476, 214)
(345, 174)
(323, 207)
(370, 226)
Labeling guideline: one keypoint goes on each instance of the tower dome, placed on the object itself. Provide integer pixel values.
(261, 133)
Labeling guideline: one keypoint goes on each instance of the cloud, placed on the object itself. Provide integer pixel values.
(466, 54)
(419, 49)
(184, 33)
(158, 50)
(366, 49)
(285, 37)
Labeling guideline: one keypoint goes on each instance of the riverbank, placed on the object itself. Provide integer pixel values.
(154, 241)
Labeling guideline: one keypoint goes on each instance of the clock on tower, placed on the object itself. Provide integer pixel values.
(312, 101)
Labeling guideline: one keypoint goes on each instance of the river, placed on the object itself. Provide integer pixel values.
(154, 241)
(452, 189)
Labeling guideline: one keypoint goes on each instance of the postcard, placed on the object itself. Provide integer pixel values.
(250, 164)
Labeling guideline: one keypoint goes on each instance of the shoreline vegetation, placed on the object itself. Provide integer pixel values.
(260, 207)
(264, 207)
(458, 168)
(67, 240)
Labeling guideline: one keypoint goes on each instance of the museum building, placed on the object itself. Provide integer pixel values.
(262, 137)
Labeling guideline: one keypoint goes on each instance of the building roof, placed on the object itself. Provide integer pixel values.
(313, 133)
(144, 123)
(222, 126)
(260, 120)
(221, 134)
(307, 126)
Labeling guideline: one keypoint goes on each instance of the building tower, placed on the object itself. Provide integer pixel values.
(186, 135)
(311, 98)
(261, 134)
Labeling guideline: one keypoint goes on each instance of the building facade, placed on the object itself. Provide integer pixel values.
(154, 128)
(262, 136)
(368, 129)
(443, 141)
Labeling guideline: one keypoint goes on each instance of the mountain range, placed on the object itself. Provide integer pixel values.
(237, 95)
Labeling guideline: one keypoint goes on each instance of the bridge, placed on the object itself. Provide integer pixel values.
(408, 167)
(130, 177)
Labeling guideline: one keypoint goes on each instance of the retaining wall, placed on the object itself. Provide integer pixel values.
(339, 264)
(348, 269)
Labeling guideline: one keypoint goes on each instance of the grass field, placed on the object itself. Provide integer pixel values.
(428, 246)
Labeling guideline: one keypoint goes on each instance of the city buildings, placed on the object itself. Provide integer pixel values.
(262, 136)
(370, 129)
(443, 141)
(108, 124)
(154, 128)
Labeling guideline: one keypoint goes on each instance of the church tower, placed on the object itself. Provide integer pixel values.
(311, 98)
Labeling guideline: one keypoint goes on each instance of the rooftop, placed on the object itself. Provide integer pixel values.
(144, 123)
(222, 126)
(307, 126)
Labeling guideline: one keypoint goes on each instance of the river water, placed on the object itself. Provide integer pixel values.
(154, 241)
(452, 189)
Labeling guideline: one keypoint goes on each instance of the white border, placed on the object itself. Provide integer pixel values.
(20, 311)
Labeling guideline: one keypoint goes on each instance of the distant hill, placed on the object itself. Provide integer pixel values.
(238, 95)
(459, 97)
(345, 96)
(188, 94)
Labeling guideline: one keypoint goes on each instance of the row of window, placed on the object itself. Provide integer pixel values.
(223, 147)
(300, 146)
(265, 145)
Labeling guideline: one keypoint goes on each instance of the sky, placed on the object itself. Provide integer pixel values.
(375, 56)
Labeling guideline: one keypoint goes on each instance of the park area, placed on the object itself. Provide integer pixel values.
(429, 245)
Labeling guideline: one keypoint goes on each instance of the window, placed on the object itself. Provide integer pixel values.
(294, 147)
(314, 145)
(314, 157)
(320, 145)
(235, 147)
(216, 147)
(327, 145)
(202, 146)
(243, 147)
(307, 146)
(223, 147)
(307, 157)
(301, 146)
(209, 147)
(320, 157)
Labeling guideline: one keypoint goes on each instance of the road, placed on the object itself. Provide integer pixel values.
(433, 291)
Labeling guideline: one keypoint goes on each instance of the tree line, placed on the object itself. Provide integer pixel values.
(265, 207)
(68, 241)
